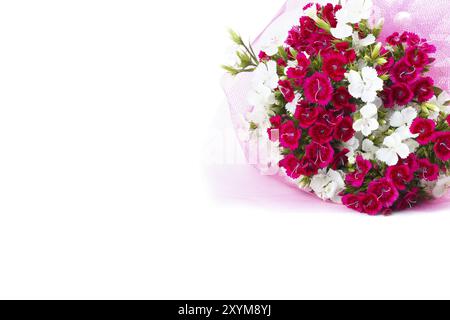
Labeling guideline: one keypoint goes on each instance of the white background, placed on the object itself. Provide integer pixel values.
(105, 111)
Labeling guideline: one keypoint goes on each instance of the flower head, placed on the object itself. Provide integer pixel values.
(428, 171)
(306, 114)
(327, 185)
(365, 85)
(356, 179)
(289, 135)
(442, 145)
(385, 190)
(400, 175)
(318, 89)
(369, 120)
(320, 154)
(424, 128)
(393, 149)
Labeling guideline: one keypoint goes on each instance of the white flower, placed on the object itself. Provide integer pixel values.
(441, 187)
(404, 117)
(292, 106)
(370, 149)
(364, 85)
(341, 31)
(352, 145)
(359, 44)
(265, 79)
(441, 103)
(266, 74)
(271, 46)
(353, 11)
(369, 121)
(328, 185)
(402, 120)
(394, 148)
(356, 10)
(261, 97)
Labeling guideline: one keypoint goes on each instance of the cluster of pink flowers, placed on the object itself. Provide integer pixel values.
(363, 111)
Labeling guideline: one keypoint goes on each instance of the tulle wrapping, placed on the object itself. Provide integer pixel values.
(428, 18)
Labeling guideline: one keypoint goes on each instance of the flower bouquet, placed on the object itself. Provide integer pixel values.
(347, 100)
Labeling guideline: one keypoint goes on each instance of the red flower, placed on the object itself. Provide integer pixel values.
(385, 190)
(292, 166)
(356, 179)
(353, 201)
(281, 62)
(333, 66)
(321, 133)
(329, 14)
(411, 162)
(428, 171)
(402, 72)
(371, 204)
(318, 89)
(402, 94)
(409, 200)
(287, 90)
(341, 100)
(394, 39)
(442, 146)
(320, 154)
(328, 118)
(306, 115)
(263, 56)
(344, 129)
(387, 95)
(274, 132)
(300, 71)
(289, 135)
(308, 167)
(424, 89)
(340, 160)
(425, 128)
(275, 121)
(417, 57)
(410, 38)
(386, 68)
(345, 50)
(448, 120)
(400, 175)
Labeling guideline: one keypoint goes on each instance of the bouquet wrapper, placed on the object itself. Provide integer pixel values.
(428, 19)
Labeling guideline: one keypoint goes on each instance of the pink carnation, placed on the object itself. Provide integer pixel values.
(321, 133)
(320, 154)
(306, 115)
(424, 89)
(428, 171)
(442, 146)
(400, 175)
(318, 89)
(402, 72)
(287, 90)
(425, 129)
(289, 135)
(356, 179)
(385, 190)
(292, 166)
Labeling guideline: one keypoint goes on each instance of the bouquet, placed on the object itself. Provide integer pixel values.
(342, 108)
